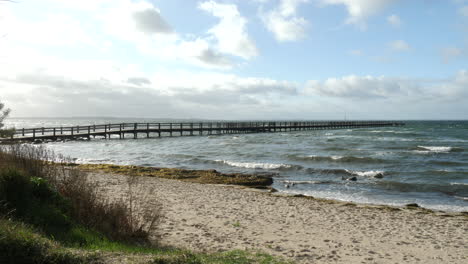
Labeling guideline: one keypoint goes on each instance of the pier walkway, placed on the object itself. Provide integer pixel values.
(147, 130)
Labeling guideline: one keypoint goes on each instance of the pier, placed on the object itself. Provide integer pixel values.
(147, 130)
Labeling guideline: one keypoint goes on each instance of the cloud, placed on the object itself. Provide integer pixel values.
(55, 30)
(451, 53)
(133, 21)
(353, 86)
(394, 20)
(284, 23)
(360, 10)
(231, 31)
(463, 11)
(95, 88)
(398, 90)
(356, 52)
(138, 81)
(399, 45)
(150, 21)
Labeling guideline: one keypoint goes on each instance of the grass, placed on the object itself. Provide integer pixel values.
(50, 213)
(20, 243)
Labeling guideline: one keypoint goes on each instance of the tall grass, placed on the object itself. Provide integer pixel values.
(27, 170)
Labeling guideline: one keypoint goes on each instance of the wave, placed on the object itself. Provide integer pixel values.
(437, 149)
(459, 183)
(345, 172)
(463, 198)
(305, 182)
(337, 158)
(367, 173)
(257, 165)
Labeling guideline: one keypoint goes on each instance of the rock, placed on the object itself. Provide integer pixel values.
(413, 205)
(349, 179)
(378, 176)
(272, 190)
(286, 185)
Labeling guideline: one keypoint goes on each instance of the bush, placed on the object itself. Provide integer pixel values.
(31, 200)
(47, 191)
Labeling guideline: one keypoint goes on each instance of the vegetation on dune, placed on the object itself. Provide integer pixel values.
(51, 213)
(198, 176)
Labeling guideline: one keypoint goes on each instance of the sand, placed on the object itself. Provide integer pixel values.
(210, 218)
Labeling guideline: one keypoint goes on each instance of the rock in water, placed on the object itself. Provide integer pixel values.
(378, 176)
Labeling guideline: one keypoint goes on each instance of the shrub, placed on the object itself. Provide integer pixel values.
(46, 190)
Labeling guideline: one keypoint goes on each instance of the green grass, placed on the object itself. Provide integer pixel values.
(20, 243)
(36, 227)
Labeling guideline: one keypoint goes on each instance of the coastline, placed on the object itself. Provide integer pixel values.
(214, 217)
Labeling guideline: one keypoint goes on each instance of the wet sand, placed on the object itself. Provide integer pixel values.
(204, 217)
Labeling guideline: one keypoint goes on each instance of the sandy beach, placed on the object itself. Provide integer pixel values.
(205, 217)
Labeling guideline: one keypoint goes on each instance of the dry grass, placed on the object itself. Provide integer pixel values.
(119, 220)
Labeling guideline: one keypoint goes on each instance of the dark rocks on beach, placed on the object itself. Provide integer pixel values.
(299, 195)
(412, 205)
(272, 190)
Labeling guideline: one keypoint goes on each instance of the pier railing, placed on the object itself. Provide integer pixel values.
(184, 128)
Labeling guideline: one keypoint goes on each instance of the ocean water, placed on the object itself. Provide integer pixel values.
(424, 162)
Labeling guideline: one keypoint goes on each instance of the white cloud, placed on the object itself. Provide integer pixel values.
(394, 20)
(388, 88)
(356, 52)
(231, 31)
(284, 23)
(463, 10)
(95, 87)
(360, 10)
(451, 53)
(399, 45)
(54, 30)
(356, 86)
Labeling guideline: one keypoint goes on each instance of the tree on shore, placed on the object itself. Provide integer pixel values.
(4, 112)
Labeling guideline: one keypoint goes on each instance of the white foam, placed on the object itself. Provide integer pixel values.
(336, 157)
(300, 182)
(459, 183)
(366, 173)
(435, 149)
(254, 165)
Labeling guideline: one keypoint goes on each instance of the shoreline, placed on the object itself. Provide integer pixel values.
(213, 217)
(260, 181)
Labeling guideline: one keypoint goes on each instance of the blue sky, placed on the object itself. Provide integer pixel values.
(237, 59)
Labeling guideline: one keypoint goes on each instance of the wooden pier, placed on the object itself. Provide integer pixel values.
(134, 130)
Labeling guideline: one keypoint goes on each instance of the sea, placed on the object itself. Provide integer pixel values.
(423, 162)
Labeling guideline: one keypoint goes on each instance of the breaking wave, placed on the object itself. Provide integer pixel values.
(257, 165)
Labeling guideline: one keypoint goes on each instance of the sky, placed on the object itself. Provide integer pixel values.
(236, 59)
